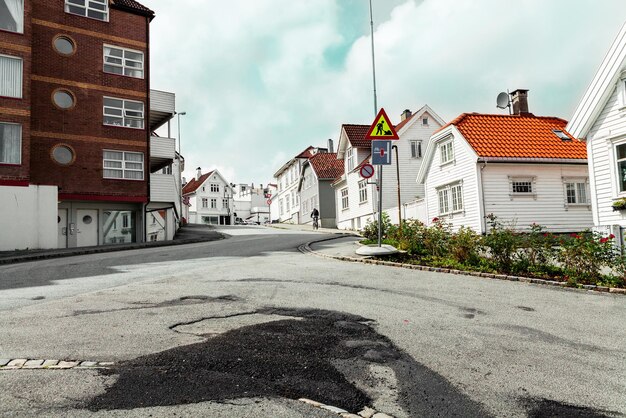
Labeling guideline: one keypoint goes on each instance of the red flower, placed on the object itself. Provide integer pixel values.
(603, 240)
(573, 235)
(546, 234)
(611, 236)
(435, 219)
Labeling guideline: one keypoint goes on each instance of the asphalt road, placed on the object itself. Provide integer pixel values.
(243, 326)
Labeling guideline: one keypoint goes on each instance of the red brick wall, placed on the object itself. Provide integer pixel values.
(81, 127)
(17, 110)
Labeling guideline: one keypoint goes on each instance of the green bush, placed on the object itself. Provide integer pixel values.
(584, 256)
(437, 238)
(465, 246)
(411, 237)
(502, 243)
(370, 231)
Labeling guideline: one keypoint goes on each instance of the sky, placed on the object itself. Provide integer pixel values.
(261, 80)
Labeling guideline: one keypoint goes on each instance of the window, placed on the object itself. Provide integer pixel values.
(10, 76)
(95, 9)
(350, 159)
(63, 154)
(167, 170)
(123, 61)
(576, 193)
(363, 191)
(425, 121)
(344, 199)
(10, 143)
(12, 15)
(620, 152)
(225, 203)
(447, 152)
(205, 202)
(121, 112)
(64, 45)
(280, 206)
(416, 149)
(521, 186)
(123, 165)
(287, 207)
(63, 99)
(215, 188)
(213, 203)
(562, 135)
(450, 199)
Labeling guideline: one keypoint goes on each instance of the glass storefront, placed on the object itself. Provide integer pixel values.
(119, 226)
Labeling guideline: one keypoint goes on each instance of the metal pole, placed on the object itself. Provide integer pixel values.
(380, 167)
(373, 60)
(178, 115)
(398, 177)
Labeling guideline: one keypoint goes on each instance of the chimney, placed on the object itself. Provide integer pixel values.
(519, 99)
(184, 181)
(330, 146)
(405, 115)
(198, 173)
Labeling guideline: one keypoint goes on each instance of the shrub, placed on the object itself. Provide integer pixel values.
(584, 255)
(502, 243)
(437, 238)
(411, 237)
(370, 231)
(465, 246)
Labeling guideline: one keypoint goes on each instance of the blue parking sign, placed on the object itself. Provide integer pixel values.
(381, 152)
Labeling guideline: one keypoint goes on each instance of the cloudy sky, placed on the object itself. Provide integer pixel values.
(261, 80)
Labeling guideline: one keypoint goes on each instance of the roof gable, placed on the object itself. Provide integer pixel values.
(600, 88)
(416, 117)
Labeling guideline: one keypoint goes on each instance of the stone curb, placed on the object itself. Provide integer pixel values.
(306, 248)
(108, 249)
(365, 413)
(39, 364)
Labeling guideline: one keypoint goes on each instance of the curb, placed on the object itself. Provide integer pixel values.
(306, 248)
(39, 364)
(109, 249)
(365, 413)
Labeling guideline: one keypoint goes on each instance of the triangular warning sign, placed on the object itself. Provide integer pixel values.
(382, 128)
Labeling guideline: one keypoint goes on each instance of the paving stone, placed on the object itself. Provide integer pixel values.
(381, 415)
(105, 363)
(88, 364)
(4, 361)
(16, 363)
(602, 288)
(616, 290)
(367, 413)
(349, 415)
(49, 363)
(333, 409)
(32, 364)
(65, 365)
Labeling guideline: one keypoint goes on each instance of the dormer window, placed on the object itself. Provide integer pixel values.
(94, 9)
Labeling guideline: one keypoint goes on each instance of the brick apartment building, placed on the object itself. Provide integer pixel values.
(74, 131)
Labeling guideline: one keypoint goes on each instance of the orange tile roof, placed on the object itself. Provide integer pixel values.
(326, 165)
(193, 184)
(518, 136)
(404, 122)
(307, 153)
(356, 135)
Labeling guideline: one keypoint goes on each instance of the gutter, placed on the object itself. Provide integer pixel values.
(532, 160)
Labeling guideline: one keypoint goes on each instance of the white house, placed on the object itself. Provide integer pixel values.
(600, 120)
(209, 199)
(287, 178)
(522, 168)
(251, 203)
(356, 198)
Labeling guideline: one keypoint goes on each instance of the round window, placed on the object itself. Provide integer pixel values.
(87, 219)
(63, 99)
(64, 45)
(63, 154)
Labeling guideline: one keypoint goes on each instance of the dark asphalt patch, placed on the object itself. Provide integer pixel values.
(544, 408)
(286, 358)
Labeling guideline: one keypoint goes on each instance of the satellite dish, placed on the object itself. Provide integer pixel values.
(502, 101)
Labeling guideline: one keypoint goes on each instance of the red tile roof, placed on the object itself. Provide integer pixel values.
(356, 135)
(133, 5)
(193, 185)
(307, 153)
(518, 136)
(404, 122)
(326, 165)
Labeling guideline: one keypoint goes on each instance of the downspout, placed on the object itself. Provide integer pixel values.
(145, 205)
(481, 195)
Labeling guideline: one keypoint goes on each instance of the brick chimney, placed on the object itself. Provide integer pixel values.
(405, 115)
(519, 99)
(198, 173)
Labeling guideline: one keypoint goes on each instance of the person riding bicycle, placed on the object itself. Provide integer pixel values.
(315, 215)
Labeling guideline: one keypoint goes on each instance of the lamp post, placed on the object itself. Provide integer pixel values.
(178, 114)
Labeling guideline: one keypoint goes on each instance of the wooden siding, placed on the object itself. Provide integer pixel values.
(161, 147)
(546, 206)
(608, 129)
(463, 169)
(163, 188)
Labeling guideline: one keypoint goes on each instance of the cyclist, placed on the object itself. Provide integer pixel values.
(315, 215)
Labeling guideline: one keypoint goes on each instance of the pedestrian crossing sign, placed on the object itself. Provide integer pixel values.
(382, 127)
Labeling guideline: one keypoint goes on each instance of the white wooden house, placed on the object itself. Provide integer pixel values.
(356, 199)
(522, 168)
(209, 199)
(600, 120)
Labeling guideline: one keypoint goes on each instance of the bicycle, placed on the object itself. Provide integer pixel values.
(315, 223)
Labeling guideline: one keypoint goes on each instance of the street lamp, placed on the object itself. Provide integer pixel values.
(179, 114)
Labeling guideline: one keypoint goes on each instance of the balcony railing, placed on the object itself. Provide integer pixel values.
(162, 152)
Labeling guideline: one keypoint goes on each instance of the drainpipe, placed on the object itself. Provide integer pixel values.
(483, 214)
(399, 199)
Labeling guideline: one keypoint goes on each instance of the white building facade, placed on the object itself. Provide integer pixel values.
(209, 199)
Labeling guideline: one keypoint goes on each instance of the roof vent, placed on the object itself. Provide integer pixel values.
(562, 135)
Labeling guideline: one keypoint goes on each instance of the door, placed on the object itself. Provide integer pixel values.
(86, 227)
(62, 228)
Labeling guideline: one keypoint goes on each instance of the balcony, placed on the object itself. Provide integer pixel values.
(163, 188)
(162, 152)
(162, 108)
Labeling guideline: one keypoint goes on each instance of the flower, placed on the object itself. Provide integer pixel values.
(611, 236)
(435, 219)
(573, 235)
(603, 240)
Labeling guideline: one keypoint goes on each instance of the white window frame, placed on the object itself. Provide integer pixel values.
(416, 149)
(123, 65)
(280, 207)
(577, 182)
(19, 158)
(362, 191)
(213, 203)
(205, 202)
(215, 188)
(617, 160)
(531, 180)
(20, 24)
(345, 200)
(621, 92)
(425, 121)
(225, 203)
(20, 80)
(450, 199)
(125, 113)
(350, 158)
(124, 162)
(87, 6)
(446, 152)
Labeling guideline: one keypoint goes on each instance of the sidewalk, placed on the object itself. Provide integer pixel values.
(309, 228)
(188, 234)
